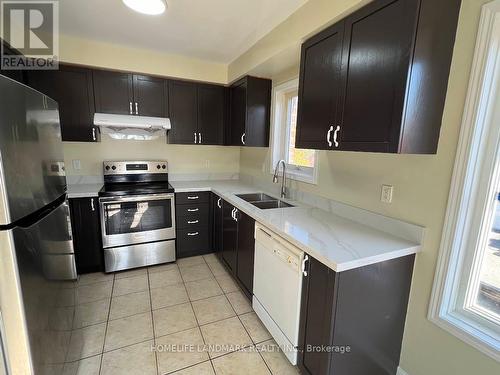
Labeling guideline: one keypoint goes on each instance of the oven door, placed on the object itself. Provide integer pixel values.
(137, 219)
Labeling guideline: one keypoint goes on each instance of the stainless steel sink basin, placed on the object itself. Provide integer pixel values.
(265, 205)
(255, 197)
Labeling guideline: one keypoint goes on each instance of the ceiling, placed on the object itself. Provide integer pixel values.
(212, 30)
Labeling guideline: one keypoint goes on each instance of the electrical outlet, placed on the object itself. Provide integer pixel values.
(386, 195)
(77, 165)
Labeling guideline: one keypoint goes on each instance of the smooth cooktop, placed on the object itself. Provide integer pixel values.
(138, 188)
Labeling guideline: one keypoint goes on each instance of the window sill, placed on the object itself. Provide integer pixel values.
(469, 331)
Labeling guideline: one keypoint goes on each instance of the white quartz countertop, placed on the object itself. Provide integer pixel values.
(337, 241)
(84, 190)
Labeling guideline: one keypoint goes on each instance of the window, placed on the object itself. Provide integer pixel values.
(466, 295)
(301, 163)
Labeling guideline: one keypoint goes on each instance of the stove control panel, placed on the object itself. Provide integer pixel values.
(134, 167)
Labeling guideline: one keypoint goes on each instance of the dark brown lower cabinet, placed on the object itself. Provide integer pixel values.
(193, 224)
(217, 210)
(352, 322)
(229, 236)
(234, 237)
(246, 251)
(87, 240)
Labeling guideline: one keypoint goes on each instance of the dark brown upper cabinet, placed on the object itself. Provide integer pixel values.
(197, 113)
(113, 92)
(376, 81)
(130, 94)
(183, 111)
(250, 108)
(72, 88)
(211, 114)
(150, 96)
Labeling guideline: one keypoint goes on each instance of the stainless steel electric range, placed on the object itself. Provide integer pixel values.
(137, 214)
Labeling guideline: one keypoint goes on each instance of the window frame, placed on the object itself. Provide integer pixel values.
(279, 135)
(468, 216)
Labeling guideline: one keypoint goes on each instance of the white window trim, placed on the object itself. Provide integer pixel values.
(476, 156)
(278, 126)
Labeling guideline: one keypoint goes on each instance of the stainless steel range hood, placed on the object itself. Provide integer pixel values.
(131, 126)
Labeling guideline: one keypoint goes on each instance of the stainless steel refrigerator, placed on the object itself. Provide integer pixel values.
(37, 262)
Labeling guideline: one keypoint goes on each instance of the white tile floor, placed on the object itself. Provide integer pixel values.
(184, 318)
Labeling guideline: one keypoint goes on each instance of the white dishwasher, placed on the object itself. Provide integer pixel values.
(277, 288)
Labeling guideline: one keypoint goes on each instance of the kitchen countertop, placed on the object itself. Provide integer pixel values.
(337, 241)
(84, 190)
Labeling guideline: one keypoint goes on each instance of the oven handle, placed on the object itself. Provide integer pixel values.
(136, 198)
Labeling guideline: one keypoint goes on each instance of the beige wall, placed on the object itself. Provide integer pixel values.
(182, 159)
(421, 188)
(106, 55)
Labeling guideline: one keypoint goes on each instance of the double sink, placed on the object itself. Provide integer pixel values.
(263, 201)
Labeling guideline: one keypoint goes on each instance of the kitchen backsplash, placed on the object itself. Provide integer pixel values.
(185, 162)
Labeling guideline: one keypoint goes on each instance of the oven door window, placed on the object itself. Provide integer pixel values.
(132, 217)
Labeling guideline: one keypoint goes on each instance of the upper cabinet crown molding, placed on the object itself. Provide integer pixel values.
(376, 81)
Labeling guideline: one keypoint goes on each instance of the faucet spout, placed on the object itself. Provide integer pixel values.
(283, 178)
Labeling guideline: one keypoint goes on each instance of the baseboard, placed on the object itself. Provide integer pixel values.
(401, 372)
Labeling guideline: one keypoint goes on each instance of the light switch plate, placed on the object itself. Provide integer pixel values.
(77, 165)
(386, 195)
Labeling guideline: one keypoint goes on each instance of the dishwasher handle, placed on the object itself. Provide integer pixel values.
(306, 258)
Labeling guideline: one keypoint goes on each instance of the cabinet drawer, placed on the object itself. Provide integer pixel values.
(193, 242)
(193, 210)
(194, 197)
(193, 221)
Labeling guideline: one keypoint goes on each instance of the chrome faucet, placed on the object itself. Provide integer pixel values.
(275, 177)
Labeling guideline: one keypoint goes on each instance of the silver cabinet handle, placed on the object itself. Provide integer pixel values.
(243, 138)
(136, 108)
(335, 136)
(199, 134)
(306, 258)
(193, 209)
(92, 206)
(328, 136)
(193, 234)
(193, 222)
(219, 202)
(130, 107)
(232, 213)
(93, 134)
(195, 138)
(193, 197)
(235, 213)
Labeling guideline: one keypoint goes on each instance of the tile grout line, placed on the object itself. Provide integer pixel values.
(196, 318)
(245, 328)
(107, 322)
(152, 321)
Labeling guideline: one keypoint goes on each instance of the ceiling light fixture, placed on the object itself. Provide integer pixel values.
(150, 7)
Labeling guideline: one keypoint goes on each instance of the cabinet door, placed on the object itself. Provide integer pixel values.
(320, 89)
(113, 92)
(229, 237)
(183, 111)
(217, 224)
(72, 88)
(211, 106)
(86, 235)
(316, 317)
(377, 51)
(258, 112)
(238, 113)
(149, 96)
(246, 251)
